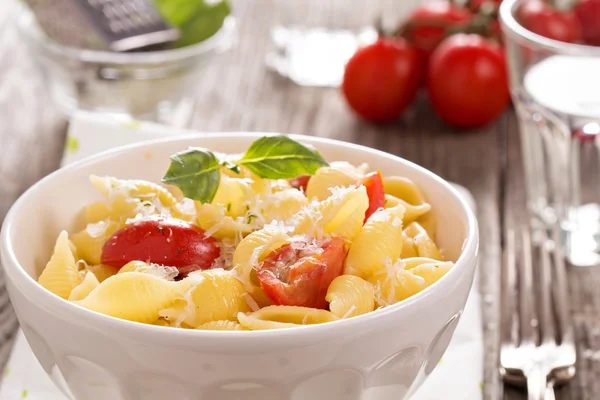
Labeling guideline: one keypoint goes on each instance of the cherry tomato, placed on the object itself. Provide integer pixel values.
(467, 81)
(373, 182)
(477, 5)
(588, 14)
(428, 25)
(382, 79)
(540, 17)
(168, 242)
(300, 182)
(293, 277)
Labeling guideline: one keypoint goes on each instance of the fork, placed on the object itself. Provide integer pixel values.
(537, 340)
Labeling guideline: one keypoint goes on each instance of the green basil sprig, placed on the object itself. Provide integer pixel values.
(196, 171)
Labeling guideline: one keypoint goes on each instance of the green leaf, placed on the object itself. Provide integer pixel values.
(232, 167)
(279, 157)
(196, 172)
(197, 20)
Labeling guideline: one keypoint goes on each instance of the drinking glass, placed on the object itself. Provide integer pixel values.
(555, 87)
(313, 39)
(156, 86)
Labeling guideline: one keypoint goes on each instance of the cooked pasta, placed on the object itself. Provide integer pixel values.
(61, 274)
(80, 292)
(406, 278)
(341, 214)
(246, 252)
(103, 272)
(134, 296)
(250, 252)
(422, 244)
(379, 241)
(338, 174)
(212, 295)
(349, 296)
(276, 317)
(222, 325)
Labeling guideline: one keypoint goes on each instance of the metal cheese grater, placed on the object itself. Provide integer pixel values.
(116, 25)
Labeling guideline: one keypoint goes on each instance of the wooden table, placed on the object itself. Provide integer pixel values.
(239, 94)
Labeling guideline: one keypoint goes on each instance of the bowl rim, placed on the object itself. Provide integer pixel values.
(21, 279)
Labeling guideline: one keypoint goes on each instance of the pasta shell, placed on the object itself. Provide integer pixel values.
(90, 282)
(379, 241)
(61, 275)
(134, 296)
(349, 296)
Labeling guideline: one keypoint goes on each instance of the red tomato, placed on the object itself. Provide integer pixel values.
(168, 242)
(373, 182)
(540, 17)
(477, 4)
(382, 79)
(291, 277)
(300, 182)
(588, 14)
(428, 25)
(467, 81)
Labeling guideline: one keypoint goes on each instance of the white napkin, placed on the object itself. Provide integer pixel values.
(458, 376)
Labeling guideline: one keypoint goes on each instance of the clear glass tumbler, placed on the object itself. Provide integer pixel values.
(556, 90)
(143, 85)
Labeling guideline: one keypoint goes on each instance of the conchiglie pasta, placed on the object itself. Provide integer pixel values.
(377, 243)
(102, 271)
(421, 242)
(342, 215)
(139, 189)
(277, 317)
(222, 325)
(90, 282)
(234, 194)
(61, 275)
(404, 189)
(411, 213)
(283, 205)
(406, 278)
(134, 296)
(307, 238)
(213, 220)
(214, 295)
(89, 241)
(349, 296)
(338, 174)
(250, 252)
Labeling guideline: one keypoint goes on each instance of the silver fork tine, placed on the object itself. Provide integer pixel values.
(536, 376)
(510, 323)
(545, 303)
(528, 320)
(563, 313)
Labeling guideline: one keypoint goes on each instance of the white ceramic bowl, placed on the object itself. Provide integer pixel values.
(383, 355)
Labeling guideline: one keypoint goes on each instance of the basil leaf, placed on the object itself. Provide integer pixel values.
(197, 20)
(279, 157)
(232, 167)
(196, 172)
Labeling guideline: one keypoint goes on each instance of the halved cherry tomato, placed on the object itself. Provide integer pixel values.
(373, 182)
(300, 182)
(170, 242)
(540, 17)
(292, 277)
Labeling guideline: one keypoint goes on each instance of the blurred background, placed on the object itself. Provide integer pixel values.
(427, 81)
